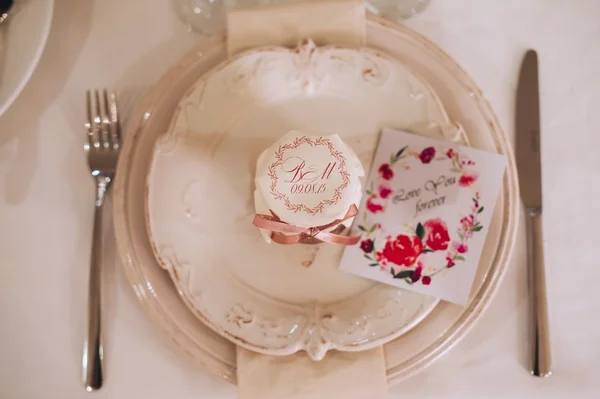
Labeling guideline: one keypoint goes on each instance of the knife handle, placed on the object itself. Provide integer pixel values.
(542, 359)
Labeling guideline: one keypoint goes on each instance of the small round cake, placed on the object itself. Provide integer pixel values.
(306, 184)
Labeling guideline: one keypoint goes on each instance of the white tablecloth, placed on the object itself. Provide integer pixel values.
(46, 200)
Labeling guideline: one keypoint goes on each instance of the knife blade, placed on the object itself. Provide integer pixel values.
(529, 165)
(528, 132)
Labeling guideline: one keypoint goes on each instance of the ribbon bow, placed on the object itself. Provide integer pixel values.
(285, 233)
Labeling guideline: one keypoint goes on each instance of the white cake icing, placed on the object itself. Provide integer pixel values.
(307, 180)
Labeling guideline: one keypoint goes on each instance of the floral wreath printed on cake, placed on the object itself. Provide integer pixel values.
(402, 256)
(337, 194)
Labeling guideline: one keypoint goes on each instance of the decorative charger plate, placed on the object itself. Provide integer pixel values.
(278, 299)
(405, 355)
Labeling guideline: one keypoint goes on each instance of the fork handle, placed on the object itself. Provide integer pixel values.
(93, 351)
(542, 361)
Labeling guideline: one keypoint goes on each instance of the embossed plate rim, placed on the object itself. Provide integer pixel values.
(315, 347)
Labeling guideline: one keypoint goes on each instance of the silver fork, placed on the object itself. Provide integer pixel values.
(104, 142)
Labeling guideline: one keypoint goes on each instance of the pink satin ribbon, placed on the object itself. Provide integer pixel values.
(285, 233)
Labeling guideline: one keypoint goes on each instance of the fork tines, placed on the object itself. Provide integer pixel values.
(102, 123)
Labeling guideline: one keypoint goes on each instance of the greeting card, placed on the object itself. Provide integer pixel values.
(424, 215)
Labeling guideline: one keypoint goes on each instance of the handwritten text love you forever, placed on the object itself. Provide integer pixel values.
(432, 194)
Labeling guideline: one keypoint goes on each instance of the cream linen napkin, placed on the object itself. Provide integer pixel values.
(359, 375)
(343, 375)
(324, 21)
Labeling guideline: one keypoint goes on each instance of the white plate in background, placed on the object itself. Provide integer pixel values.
(22, 40)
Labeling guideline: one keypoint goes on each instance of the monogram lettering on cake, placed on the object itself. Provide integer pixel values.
(306, 178)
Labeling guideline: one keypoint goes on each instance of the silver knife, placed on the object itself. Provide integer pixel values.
(530, 177)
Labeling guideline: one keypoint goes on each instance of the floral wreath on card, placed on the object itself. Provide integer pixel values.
(337, 194)
(400, 255)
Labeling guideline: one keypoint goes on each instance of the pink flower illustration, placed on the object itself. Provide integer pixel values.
(426, 280)
(460, 247)
(427, 155)
(384, 191)
(372, 206)
(450, 153)
(386, 172)
(466, 223)
(467, 179)
(366, 245)
(450, 262)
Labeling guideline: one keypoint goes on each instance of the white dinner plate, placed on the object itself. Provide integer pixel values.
(22, 40)
(270, 298)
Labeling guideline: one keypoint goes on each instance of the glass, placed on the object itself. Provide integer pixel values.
(209, 16)
(204, 16)
(397, 10)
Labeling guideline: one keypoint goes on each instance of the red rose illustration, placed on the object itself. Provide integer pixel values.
(404, 250)
(450, 262)
(426, 280)
(450, 153)
(436, 234)
(366, 245)
(386, 172)
(427, 155)
(384, 191)
(467, 179)
(372, 206)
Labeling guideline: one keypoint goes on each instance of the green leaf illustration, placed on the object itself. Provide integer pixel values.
(480, 210)
(372, 229)
(474, 200)
(427, 250)
(404, 274)
(401, 151)
(420, 231)
(373, 264)
(368, 257)
(477, 228)
(459, 257)
(362, 228)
